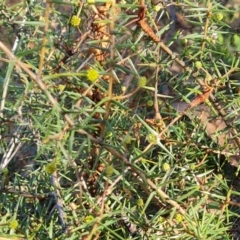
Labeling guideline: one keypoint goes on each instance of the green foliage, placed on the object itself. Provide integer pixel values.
(91, 147)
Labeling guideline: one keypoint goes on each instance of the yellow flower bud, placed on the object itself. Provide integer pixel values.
(140, 202)
(142, 81)
(179, 217)
(192, 166)
(51, 167)
(92, 75)
(198, 65)
(89, 219)
(220, 176)
(157, 8)
(127, 139)
(109, 170)
(13, 224)
(150, 103)
(75, 21)
(219, 16)
(151, 138)
(161, 219)
(166, 167)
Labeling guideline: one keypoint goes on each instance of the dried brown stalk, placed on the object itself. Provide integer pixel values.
(148, 30)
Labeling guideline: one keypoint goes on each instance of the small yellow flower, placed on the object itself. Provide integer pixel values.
(198, 65)
(89, 219)
(75, 21)
(219, 16)
(185, 41)
(109, 170)
(220, 176)
(150, 103)
(151, 138)
(124, 88)
(127, 139)
(51, 167)
(13, 224)
(166, 167)
(140, 202)
(192, 166)
(161, 219)
(92, 75)
(142, 81)
(61, 87)
(157, 8)
(179, 217)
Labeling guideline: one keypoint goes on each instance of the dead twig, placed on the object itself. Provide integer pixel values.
(58, 200)
(148, 30)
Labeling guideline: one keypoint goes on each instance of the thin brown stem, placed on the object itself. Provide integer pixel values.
(206, 28)
(44, 40)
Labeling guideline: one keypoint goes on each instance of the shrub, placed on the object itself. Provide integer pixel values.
(84, 153)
